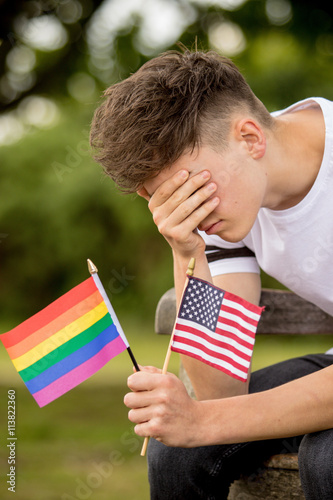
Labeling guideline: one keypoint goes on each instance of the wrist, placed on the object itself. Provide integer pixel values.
(187, 253)
(180, 265)
(208, 424)
(198, 433)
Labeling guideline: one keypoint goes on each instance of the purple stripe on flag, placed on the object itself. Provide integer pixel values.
(79, 374)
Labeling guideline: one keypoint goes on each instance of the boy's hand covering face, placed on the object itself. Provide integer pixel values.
(179, 203)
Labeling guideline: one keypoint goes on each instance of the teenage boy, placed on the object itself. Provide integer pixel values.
(233, 185)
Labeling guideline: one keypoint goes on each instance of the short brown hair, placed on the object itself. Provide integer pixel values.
(171, 105)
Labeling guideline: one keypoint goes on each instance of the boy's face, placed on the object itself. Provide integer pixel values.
(240, 185)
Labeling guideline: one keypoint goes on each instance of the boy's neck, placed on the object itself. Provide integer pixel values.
(296, 152)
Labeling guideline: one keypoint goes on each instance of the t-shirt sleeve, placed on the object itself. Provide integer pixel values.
(225, 257)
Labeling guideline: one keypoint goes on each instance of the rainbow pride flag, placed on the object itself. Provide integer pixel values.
(66, 342)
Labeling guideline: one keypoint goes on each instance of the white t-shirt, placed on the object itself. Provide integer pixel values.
(295, 245)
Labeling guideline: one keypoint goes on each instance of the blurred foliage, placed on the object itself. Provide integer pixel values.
(57, 208)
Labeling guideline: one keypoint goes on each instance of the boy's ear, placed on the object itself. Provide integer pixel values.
(249, 131)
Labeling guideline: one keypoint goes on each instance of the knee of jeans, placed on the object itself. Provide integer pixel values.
(157, 453)
(169, 469)
(179, 463)
(163, 458)
(316, 456)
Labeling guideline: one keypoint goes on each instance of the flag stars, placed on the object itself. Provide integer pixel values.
(206, 315)
(201, 303)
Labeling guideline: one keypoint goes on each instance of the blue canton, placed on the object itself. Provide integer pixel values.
(201, 304)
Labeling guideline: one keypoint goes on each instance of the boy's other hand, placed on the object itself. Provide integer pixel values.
(178, 205)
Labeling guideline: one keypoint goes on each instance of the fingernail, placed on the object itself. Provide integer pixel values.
(183, 174)
(211, 187)
(205, 174)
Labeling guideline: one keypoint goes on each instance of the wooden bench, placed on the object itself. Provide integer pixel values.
(285, 314)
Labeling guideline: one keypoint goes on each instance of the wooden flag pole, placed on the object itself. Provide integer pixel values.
(189, 272)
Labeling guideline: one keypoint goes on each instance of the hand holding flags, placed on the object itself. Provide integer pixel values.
(66, 342)
(213, 326)
(75, 336)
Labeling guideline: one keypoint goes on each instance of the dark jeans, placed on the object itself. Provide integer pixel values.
(206, 472)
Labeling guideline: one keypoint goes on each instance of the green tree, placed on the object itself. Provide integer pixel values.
(57, 208)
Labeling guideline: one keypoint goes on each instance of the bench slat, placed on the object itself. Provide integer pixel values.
(285, 314)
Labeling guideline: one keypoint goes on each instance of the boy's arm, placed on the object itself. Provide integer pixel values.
(208, 382)
(178, 205)
(162, 409)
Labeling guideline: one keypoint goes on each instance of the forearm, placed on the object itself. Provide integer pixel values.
(180, 265)
(299, 407)
(161, 408)
(208, 382)
(178, 205)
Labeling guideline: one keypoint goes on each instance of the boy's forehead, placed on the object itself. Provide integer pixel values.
(153, 183)
(186, 162)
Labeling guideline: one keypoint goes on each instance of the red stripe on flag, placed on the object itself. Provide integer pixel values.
(214, 365)
(247, 305)
(235, 337)
(239, 314)
(219, 343)
(211, 353)
(242, 329)
(49, 313)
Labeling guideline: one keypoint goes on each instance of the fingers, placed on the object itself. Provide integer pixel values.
(144, 380)
(178, 188)
(179, 205)
(168, 188)
(147, 387)
(185, 219)
(138, 400)
(151, 369)
(161, 408)
(143, 430)
(146, 424)
(148, 405)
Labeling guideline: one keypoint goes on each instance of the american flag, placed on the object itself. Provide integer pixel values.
(216, 327)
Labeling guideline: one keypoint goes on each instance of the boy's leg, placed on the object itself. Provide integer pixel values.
(316, 465)
(206, 472)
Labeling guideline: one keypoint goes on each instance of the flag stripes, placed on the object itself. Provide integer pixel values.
(216, 327)
(59, 338)
(215, 338)
(211, 360)
(55, 325)
(73, 360)
(79, 374)
(222, 351)
(66, 349)
(65, 343)
(74, 297)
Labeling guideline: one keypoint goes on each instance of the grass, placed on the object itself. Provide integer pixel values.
(82, 446)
